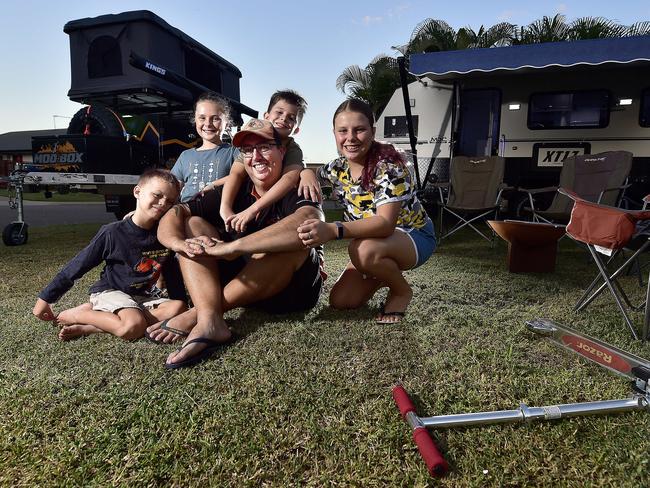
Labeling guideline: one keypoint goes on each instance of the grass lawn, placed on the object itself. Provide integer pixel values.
(306, 399)
(78, 196)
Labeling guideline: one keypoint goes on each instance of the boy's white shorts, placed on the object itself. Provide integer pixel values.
(114, 300)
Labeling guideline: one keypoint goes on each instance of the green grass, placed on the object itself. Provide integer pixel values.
(57, 197)
(305, 400)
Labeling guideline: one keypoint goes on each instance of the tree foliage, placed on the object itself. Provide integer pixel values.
(374, 84)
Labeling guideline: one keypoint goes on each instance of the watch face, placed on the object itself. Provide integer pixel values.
(339, 228)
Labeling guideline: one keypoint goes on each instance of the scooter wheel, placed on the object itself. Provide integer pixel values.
(15, 234)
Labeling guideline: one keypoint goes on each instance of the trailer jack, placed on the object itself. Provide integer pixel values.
(15, 233)
(627, 365)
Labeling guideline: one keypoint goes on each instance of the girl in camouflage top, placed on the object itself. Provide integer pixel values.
(390, 230)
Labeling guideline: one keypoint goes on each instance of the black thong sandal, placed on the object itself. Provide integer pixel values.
(164, 326)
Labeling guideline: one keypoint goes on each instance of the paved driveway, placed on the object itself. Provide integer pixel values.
(39, 214)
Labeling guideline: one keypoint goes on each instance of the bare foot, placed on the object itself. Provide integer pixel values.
(69, 316)
(395, 307)
(183, 322)
(218, 332)
(75, 331)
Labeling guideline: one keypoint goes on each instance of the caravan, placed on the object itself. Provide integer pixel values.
(535, 105)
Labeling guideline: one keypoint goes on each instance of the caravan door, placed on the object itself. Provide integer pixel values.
(479, 116)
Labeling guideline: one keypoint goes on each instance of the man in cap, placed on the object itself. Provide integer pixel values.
(267, 266)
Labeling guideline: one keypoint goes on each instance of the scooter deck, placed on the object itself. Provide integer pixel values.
(612, 358)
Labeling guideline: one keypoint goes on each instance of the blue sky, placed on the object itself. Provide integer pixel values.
(302, 45)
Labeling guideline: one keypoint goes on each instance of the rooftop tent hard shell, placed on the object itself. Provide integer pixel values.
(135, 62)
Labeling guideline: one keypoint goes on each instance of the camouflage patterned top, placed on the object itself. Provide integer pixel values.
(392, 183)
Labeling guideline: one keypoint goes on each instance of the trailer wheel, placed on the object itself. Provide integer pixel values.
(96, 120)
(15, 234)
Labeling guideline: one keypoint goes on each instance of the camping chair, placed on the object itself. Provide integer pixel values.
(611, 230)
(597, 178)
(474, 192)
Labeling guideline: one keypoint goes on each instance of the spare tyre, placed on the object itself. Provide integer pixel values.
(96, 120)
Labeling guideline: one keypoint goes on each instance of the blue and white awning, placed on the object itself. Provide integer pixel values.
(447, 65)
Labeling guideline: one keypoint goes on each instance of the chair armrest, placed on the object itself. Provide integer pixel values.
(535, 191)
(622, 187)
(502, 187)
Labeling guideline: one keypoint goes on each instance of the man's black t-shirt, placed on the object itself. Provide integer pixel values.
(207, 207)
(304, 289)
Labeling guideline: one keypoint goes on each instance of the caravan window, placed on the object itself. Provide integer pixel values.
(644, 114)
(395, 126)
(569, 110)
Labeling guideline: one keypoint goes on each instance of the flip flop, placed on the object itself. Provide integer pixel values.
(382, 318)
(164, 326)
(212, 347)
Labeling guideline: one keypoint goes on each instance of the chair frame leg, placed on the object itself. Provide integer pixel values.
(646, 322)
(462, 222)
(612, 289)
(584, 301)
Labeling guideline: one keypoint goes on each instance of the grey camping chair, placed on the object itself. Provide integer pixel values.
(599, 178)
(474, 192)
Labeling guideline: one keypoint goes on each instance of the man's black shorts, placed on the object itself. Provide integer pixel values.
(301, 293)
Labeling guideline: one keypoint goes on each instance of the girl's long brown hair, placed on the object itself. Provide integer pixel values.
(378, 151)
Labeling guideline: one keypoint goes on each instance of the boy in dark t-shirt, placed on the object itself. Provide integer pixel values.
(124, 301)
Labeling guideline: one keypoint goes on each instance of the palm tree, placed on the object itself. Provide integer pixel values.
(546, 29)
(433, 35)
(594, 28)
(374, 84)
(498, 35)
(430, 35)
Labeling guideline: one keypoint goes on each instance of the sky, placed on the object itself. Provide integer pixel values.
(303, 45)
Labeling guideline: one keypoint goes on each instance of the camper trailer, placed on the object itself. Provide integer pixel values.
(138, 77)
(535, 105)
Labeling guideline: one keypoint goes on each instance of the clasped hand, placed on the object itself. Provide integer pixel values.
(313, 232)
(206, 246)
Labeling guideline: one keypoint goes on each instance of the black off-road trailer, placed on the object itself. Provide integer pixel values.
(138, 78)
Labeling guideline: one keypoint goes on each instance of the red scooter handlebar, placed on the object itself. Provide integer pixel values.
(435, 462)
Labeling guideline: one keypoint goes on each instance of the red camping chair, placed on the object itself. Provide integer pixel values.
(610, 230)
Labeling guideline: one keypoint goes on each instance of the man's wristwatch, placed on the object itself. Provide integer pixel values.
(339, 230)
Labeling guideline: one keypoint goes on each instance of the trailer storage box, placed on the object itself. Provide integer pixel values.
(76, 153)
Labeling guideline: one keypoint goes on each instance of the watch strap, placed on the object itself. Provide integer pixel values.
(339, 230)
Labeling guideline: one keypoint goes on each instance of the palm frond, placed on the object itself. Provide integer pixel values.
(594, 28)
(638, 29)
(432, 35)
(546, 29)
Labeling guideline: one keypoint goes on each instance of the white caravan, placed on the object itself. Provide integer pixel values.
(533, 104)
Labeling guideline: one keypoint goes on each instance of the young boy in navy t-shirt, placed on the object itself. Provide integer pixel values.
(125, 299)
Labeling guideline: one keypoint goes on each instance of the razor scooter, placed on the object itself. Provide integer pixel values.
(632, 367)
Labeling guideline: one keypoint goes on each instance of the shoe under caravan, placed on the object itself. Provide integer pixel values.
(535, 105)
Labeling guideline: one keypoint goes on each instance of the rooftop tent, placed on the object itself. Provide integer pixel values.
(136, 63)
(449, 65)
